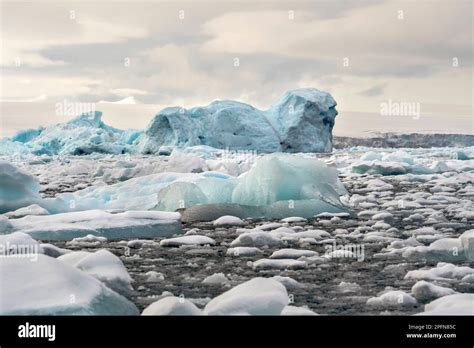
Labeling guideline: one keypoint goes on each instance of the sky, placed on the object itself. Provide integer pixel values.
(130, 59)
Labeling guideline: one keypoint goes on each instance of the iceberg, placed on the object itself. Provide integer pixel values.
(52, 287)
(85, 134)
(302, 121)
(280, 177)
(17, 188)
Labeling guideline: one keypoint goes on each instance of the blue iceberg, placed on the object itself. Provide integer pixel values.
(302, 121)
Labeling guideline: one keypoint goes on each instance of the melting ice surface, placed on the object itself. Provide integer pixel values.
(275, 178)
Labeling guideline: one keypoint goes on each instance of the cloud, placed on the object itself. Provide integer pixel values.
(190, 61)
(373, 91)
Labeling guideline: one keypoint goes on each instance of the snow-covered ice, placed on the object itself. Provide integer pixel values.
(424, 291)
(138, 224)
(457, 304)
(258, 296)
(187, 240)
(172, 305)
(52, 287)
(102, 265)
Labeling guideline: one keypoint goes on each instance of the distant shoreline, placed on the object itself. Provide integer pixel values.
(408, 140)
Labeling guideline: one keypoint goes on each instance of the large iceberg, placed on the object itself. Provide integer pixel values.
(302, 121)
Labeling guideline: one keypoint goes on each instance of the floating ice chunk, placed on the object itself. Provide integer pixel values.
(258, 296)
(187, 240)
(263, 264)
(445, 249)
(154, 276)
(256, 239)
(380, 167)
(409, 242)
(281, 177)
(18, 188)
(293, 310)
(138, 224)
(104, 266)
(384, 216)
(216, 278)
(288, 282)
(89, 240)
(138, 243)
(228, 220)
(442, 271)
(33, 209)
(294, 219)
(346, 287)
(243, 251)
(282, 231)
(456, 304)
(51, 287)
(292, 253)
(393, 299)
(425, 291)
(269, 226)
(331, 215)
(172, 305)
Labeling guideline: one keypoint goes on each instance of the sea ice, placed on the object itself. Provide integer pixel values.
(104, 266)
(51, 287)
(138, 224)
(172, 305)
(258, 296)
(392, 299)
(17, 188)
(425, 291)
(187, 240)
(456, 304)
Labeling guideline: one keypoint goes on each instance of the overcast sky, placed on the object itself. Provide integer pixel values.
(161, 53)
